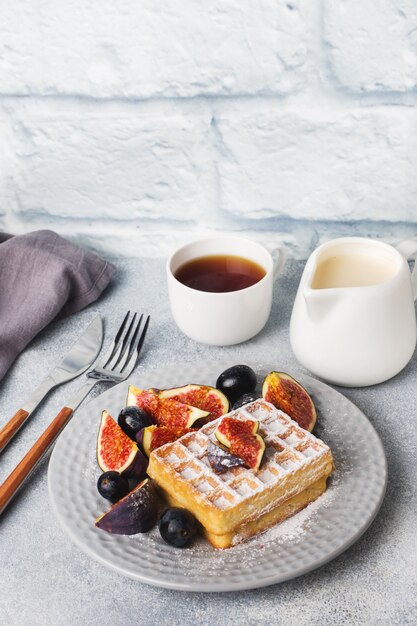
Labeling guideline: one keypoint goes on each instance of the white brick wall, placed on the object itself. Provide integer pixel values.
(373, 45)
(136, 126)
(125, 168)
(301, 166)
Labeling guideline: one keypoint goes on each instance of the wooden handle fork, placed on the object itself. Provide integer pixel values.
(21, 472)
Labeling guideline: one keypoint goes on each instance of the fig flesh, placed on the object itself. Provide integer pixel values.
(220, 459)
(153, 437)
(176, 416)
(241, 437)
(230, 427)
(200, 396)
(135, 513)
(116, 451)
(289, 396)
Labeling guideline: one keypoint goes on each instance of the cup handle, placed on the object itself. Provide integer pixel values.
(279, 256)
(408, 249)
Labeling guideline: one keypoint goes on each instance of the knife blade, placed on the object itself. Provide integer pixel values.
(82, 354)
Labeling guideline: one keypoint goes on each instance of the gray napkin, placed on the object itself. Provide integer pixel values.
(43, 277)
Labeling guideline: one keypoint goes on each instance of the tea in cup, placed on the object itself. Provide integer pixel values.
(220, 289)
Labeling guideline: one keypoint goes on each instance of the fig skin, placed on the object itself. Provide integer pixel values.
(236, 381)
(138, 467)
(221, 460)
(135, 513)
(139, 439)
(286, 394)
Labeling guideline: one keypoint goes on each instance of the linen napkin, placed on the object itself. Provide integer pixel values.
(43, 277)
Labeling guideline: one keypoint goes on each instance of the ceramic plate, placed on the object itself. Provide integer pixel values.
(304, 542)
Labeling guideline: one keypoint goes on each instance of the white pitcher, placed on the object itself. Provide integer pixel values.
(353, 321)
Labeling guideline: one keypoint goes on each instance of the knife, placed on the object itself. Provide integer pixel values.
(75, 362)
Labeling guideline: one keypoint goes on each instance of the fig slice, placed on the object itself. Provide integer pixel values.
(230, 427)
(116, 451)
(200, 396)
(135, 513)
(289, 396)
(242, 439)
(153, 437)
(176, 416)
(220, 459)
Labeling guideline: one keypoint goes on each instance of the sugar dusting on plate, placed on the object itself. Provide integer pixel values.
(201, 556)
(296, 527)
(293, 528)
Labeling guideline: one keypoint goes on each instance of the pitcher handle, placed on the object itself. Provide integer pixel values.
(279, 256)
(408, 249)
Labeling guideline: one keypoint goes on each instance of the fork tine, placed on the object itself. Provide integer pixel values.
(121, 347)
(113, 347)
(127, 344)
(132, 343)
(137, 344)
(143, 335)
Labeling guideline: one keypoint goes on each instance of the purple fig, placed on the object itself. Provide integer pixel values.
(137, 469)
(135, 513)
(220, 459)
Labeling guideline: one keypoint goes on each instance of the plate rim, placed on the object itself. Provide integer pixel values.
(207, 587)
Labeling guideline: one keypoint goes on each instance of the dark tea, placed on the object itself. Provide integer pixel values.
(219, 273)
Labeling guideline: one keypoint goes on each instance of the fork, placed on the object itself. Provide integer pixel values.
(116, 365)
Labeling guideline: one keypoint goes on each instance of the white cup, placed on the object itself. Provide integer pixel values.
(227, 318)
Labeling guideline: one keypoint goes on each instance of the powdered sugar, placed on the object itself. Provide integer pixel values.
(288, 448)
(296, 527)
(204, 487)
(188, 473)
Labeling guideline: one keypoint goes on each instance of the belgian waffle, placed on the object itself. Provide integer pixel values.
(226, 504)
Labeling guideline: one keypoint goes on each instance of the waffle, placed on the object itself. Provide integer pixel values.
(266, 520)
(242, 502)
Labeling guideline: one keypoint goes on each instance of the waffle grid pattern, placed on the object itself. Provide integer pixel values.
(288, 448)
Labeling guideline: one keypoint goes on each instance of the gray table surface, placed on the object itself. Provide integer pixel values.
(46, 579)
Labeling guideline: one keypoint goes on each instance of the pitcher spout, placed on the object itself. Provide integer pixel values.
(320, 302)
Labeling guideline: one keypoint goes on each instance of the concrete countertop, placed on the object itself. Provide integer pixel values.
(46, 579)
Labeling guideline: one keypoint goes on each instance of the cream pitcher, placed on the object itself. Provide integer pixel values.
(353, 322)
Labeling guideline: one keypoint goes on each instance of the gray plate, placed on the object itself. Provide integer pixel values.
(306, 541)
